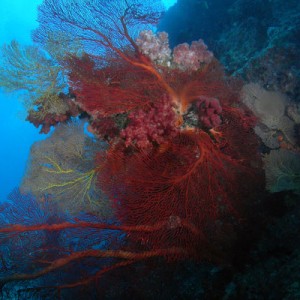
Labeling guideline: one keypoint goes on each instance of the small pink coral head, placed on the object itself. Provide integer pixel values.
(150, 127)
(190, 58)
(206, 121)
(215, 104)
(215, 120)
(209, 111)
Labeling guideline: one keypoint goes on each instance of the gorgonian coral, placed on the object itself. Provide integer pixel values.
(40, 79)
(62, 167)
(174, 169)
(270, 107)
(282, 171)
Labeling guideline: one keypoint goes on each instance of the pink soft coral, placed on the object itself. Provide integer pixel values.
(156, 47)
(209, 111)
(190, 58)
(153, 126)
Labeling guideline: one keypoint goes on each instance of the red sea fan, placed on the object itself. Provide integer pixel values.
(180, 197)
(184, 189)
(20, 251)
(114, 89)
(210, 81)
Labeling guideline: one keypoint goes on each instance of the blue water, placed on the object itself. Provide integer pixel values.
(17, 19)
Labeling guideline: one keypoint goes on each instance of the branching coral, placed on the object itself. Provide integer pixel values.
(110, 90)
(59, 45)
(179, 185)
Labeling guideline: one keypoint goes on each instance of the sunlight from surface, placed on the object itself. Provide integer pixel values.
(169, 3)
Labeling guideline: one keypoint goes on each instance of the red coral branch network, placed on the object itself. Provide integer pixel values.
(176, 170)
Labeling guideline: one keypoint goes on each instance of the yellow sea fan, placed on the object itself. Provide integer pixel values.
(30, 70)
(62, 167)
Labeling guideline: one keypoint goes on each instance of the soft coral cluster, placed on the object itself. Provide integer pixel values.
(156, 125)
(185, 57)
(210, 110)
(156, 47)
(46, 116)
(190, 58)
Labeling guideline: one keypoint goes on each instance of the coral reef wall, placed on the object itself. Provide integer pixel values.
(258, 40)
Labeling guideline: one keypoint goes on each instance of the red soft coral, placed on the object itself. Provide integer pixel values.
(210, 110)
(156, 125)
